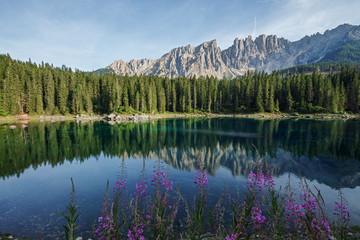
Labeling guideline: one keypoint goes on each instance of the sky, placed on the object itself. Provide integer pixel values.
(90, 34)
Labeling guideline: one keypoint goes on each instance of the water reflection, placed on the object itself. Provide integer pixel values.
(325, 151)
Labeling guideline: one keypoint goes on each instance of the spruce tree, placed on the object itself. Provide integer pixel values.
(49, 93)
(137, 100)
(259, 107)
(63, 92)
(173, 97)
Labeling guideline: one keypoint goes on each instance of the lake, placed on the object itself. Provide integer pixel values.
(37, 162)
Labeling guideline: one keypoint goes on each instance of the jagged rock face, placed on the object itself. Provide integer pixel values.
(203, 60)
(246, 54)
(266, 53)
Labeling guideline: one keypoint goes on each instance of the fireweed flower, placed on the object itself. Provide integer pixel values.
(232, 237)
(105, 227)
(118, 185)
(136, 233)
(320, 226)
(343, 212)
(308, 204)
(200, 179)
(260, 180)
(256, 217)
(293, 210)
(160, 179)
(140, 189)
(269, 181)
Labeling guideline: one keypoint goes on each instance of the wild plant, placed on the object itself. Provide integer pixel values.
(247, 214)
(119, 204)
(196, 213)
(106, 227)
(342, 214)
(261, 212)
(114, 216)
(307, 217)
(163, 207)
(138, 211)
(275, 210)
(71, 215)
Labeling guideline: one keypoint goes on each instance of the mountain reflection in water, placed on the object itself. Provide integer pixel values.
(326, 151)
(37, 162)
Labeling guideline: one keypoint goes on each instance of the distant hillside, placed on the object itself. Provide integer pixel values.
(348, 53)
(103, 71)
(265, 53)
(322, 67)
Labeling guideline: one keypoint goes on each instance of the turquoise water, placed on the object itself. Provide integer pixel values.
(37, 162)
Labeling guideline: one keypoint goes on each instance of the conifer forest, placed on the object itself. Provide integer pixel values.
(26, 87)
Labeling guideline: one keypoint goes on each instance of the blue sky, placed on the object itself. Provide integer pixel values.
(92, 34)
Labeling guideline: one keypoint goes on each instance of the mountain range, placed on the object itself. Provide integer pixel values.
(265, 53)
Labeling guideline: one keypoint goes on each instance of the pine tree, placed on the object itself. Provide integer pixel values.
(2, 112)
(137, 100)
(259, 107)
(270, 106)
(188, 96)
(161, 98)
(173, 97)
(183, 103)
(309, 90)
(289, 99)
(77, 100)
(152, 98)
(194, 93)
(168, 93)
(63, 92)
(266, 93)
(277, 108)
(249, 92)
(11, 94)
(87, 98)
(334, 101)
(342, 98)
(49, 93)
(125, 98)
(39, 102)
(142, 95)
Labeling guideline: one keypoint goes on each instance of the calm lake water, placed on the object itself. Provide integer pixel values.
(37, 162)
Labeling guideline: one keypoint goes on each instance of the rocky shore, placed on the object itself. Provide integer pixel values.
(23, 120)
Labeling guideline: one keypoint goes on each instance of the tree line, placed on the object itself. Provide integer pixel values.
(26, 87)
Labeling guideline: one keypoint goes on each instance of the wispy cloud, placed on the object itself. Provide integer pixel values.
(295, 18)
(254, 31)
(89, 34)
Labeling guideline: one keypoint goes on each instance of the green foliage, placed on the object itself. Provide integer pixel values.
(71, 216)
(287, 216)
(26, 87)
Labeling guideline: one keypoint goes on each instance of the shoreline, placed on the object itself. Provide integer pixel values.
(119, 118)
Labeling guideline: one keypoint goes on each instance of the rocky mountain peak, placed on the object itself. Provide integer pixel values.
(265, 53)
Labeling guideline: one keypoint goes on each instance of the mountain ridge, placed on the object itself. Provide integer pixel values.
(265, 53)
